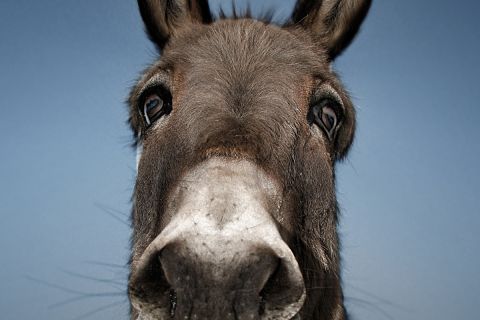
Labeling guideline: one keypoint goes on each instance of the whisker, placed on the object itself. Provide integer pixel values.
(379, 299)
(79, 295)
(106, 264)
(369, 305)
(320, 288)
(114, 213)
(109, 281)
(100, 309)
(55, 286)
(85, 297)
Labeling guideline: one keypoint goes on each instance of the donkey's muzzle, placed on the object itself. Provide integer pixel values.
(221, 255)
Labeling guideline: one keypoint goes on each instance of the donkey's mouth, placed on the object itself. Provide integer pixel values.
(220, 256)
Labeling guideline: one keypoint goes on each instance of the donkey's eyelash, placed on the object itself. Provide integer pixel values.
(325, 91)
(161, 80)
(153, 88)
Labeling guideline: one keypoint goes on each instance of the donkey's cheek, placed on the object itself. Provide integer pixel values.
(138, 155)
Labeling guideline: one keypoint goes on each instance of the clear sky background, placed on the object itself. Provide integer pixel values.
(409, 192)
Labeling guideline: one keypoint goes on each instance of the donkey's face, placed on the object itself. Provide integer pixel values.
(241, 123)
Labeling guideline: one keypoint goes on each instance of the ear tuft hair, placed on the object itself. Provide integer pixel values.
(335, 21)
(162, 18)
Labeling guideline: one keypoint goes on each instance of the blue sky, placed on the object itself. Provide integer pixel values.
(409, 191)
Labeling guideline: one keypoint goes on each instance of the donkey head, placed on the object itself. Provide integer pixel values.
(241, 123)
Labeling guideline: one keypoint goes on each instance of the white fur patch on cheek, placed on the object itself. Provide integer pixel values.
(138, 155)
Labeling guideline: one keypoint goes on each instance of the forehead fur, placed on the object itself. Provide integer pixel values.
(246, 41)
(244, 51)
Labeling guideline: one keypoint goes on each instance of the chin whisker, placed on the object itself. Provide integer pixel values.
(100, 309)
(119, 216)
(55, 286)
(106, 264)
(369, 305)
(86, 297)
(118, 284)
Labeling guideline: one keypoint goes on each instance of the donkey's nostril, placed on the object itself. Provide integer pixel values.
(149, 289)
(283, 294)
(220, 276)
(207, 277)
(217, 278)
(213, 278)
(173, 302)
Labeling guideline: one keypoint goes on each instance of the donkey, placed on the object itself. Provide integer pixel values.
(240, 122)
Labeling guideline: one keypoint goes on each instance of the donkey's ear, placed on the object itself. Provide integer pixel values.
(163, 18)
(335, 21)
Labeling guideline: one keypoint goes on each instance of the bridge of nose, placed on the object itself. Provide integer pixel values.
(223, 197)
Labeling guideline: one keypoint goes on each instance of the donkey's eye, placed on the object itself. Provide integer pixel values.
(155, 105)
(152, 108)
(329, 118)
(327, 115)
